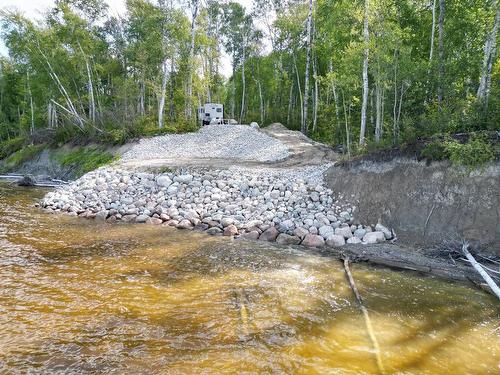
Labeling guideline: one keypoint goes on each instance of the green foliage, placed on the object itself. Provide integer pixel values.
(10, 146)
(85, 159)
(94, 78)
(473, 154)
(434, 151)
(19, 157)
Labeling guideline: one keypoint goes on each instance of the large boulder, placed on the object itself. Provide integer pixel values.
(387, 233)
(230, 230)
(335, 240)
(313, 240)
(269, 234)
(254, 125)
(374, 237)
(252, 235)
(344, 231)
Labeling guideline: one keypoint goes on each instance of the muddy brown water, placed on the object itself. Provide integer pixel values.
(78, 297)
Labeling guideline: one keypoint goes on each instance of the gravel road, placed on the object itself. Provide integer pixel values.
(239, 142)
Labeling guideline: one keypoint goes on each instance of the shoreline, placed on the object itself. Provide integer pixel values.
(168, 199)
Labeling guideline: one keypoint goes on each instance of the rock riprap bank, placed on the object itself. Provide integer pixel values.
(289, 206)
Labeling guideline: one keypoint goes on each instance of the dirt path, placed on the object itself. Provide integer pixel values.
(303, 152)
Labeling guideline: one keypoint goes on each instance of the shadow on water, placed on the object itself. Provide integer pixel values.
(136, 299)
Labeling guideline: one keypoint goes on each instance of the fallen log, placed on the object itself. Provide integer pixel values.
(493, 286)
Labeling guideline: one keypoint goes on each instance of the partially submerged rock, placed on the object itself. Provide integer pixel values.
(27, 180)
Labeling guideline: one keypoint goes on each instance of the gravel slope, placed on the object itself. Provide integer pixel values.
(239, 142)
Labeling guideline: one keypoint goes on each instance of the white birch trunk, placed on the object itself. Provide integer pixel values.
(441, 52)
(304, 126)
(243, 82)
(378, 108)
(290, 102)
(316, 96)
(32, 109)
(161, 105)
(364, 105)
(300, 91)
(483, 90)
(189, 91)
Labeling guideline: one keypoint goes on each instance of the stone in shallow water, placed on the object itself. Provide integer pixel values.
(184, 224)
(252, 235)
(141, 218)
(269, 234)
(214, 230)
(153, 221)
(300, 232)
(230, 230)
(313, 240)
(335, 240)
(286, 239)
(102, 215)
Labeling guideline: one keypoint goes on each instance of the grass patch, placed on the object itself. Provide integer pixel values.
(10, 146)
(85, 159)
(21, 156)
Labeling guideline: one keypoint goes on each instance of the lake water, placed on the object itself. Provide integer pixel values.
(81, 297)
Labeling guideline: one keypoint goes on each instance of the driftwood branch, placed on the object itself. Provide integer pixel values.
(493, 286)
(366, 316)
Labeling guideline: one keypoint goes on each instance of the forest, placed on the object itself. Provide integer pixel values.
(364, 73)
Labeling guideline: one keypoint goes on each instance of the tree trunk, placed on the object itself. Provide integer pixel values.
(171, 112)
(290, 102)
(161, 104)
(441, 53)
(347, 133)
(300, 92)
(243, 83)
(316, 96)
(433, 31)
(32, 110)
(489, 58)
(304, 126)
(189, 90)
(233, 91)
(366, 37)
(378, 109)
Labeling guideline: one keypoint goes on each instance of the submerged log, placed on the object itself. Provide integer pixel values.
(368, 322)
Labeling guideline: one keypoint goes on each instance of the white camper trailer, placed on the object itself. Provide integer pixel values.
(211, 113)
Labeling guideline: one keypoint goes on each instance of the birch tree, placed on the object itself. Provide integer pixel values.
(304, 127)
(364, 105)
(441, 53)
(490, 47)
(194, 7)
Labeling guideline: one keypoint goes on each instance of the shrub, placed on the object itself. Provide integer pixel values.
(10, 146)
(85, 159)
(475, 153)
(434, 151)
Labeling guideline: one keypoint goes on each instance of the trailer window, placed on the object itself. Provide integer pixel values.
(219, 109)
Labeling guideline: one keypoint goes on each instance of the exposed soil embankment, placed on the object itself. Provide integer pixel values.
(424, 204)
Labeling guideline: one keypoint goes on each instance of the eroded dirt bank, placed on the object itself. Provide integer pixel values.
(424, 204)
